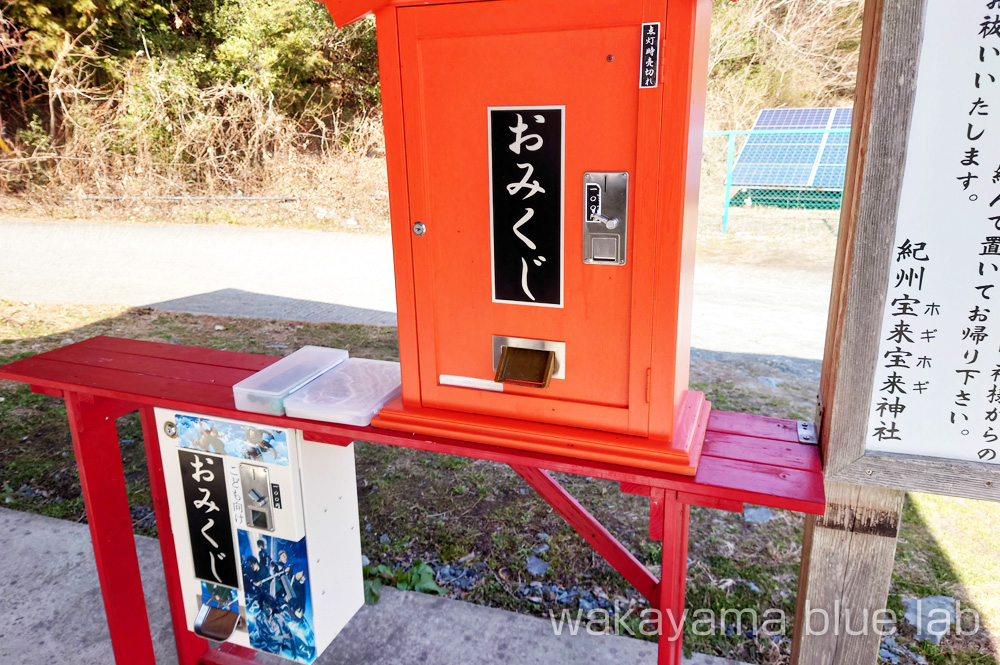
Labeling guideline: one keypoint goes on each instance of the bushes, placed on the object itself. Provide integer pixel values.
(209, 97)
(291, 49)
(157, 131)
(775, 53)
(287, 51)
(212, 95)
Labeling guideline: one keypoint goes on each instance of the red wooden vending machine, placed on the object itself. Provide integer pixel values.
(543, 173)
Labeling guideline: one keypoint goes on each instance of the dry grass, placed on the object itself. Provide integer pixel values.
(156, 133)
(156, 146)
(781, 53)
(346, 193)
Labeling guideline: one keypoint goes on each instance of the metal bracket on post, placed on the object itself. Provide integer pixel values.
(807, 432)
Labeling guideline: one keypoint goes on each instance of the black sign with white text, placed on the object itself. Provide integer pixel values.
(526, 179)
(203, 478)
(649, 56)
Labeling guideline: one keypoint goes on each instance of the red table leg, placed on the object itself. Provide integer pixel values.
(190, 647)
(673, 577)
(95, 442)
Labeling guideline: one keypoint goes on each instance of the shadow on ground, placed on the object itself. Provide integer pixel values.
(234, 302)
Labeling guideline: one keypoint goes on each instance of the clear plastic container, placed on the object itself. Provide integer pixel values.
(350, 393)
(265, 391)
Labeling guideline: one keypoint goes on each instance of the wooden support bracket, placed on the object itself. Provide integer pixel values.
(593, 532)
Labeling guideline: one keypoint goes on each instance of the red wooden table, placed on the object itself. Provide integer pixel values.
(745, 459)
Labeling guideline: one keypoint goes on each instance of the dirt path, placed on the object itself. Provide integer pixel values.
(760, 310)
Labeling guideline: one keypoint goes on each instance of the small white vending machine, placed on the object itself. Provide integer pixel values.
(265, 525)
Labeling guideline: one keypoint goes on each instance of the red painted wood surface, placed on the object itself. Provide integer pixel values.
(710, 502)
(237, 650)
(656, 501)
(762, 427)
(592, 531)
(195, 354)
(219, 657)
(102, 479)
(792, 455)
(677, 456)
(746, 458)
(673, 577)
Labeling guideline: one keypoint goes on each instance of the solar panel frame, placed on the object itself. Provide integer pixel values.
(799, 159)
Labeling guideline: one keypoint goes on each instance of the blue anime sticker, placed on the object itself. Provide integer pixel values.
(222, 597)
(278, 603)
(252, 442)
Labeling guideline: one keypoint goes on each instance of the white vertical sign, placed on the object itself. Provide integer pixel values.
(937, 387)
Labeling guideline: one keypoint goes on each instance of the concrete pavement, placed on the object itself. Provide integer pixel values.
(341, 277)
(345, 278)
(52, 612)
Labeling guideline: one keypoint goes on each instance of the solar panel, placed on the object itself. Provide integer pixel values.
(797, 159)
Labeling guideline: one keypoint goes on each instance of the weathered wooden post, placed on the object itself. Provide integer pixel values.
(909, 395)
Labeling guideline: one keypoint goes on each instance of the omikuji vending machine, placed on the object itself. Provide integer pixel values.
(543, 160)
(266, 532)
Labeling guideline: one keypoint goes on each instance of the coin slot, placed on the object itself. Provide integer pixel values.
(256, 490)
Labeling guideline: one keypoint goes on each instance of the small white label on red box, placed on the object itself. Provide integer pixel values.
(469, 382)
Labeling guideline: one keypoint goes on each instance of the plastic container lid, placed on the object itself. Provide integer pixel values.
(265, 391)
(350, 393)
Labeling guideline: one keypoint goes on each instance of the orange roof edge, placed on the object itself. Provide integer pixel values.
(345, 12)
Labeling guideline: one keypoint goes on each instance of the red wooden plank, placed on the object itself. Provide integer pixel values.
(603, 470)
(217, 657)
(673, 581)
(154, 392)
(237, 650)
(710, 502)
(190, 647)
(780, 429)
(656, 501)
(51, 392)
(764, 451)
(791, 489)
(71, 376)
(194, 354)
(324, 437)
(592, 531)
(149, 366)
(102, 480)
(633, 488)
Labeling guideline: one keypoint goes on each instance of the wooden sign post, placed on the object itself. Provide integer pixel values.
(910, 393)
